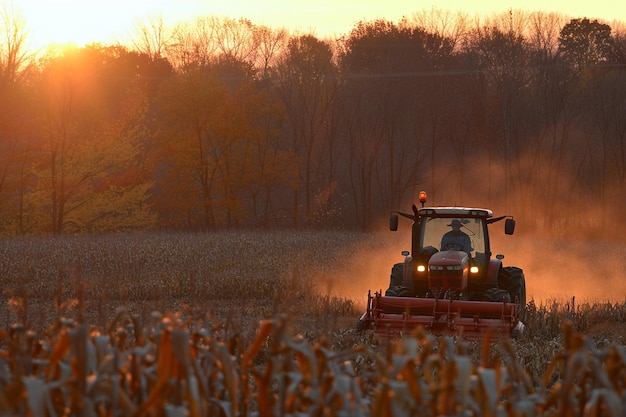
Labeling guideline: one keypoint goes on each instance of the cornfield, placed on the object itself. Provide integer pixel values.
(246, 325)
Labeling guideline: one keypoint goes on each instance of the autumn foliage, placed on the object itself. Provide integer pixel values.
(222, 123)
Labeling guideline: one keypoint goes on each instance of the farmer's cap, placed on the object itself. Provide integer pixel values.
(456, 223)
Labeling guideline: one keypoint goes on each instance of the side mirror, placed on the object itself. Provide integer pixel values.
(393, 222)
(509, 226)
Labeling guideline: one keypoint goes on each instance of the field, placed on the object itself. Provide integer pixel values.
(263, 324)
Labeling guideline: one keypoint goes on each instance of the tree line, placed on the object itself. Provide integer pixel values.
(221, 123)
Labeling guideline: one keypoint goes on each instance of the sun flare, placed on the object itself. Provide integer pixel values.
(85, 21)
(80, 22)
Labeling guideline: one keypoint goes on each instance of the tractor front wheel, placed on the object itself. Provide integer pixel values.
(496, 295)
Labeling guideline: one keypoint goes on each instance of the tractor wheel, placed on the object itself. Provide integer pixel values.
(397, 275)
(496, 295)
(512, 279)
(397, 286)
(399, 291)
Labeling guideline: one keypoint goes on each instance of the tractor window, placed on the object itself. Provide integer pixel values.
(435, 228)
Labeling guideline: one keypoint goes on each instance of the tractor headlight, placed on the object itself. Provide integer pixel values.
(473, 270)
(421, 268)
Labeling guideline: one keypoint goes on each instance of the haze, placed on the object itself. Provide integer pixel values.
(81, 22)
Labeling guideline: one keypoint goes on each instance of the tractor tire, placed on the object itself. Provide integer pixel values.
(397, 275)
(496, 295)
(397, 286)
(512, 279)
(399, 291)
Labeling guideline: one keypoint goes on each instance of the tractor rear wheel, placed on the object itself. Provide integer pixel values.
(512, 279)
(397, 275)
(397, 286)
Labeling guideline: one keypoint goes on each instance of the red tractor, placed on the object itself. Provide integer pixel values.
(449, 283)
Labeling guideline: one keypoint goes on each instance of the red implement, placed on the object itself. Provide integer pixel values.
(393, 316)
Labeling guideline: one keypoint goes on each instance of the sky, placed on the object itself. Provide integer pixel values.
(107, 21)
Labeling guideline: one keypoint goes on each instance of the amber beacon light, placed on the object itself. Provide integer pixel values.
(423, 197)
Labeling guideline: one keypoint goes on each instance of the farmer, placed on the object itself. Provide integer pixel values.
(455, 239)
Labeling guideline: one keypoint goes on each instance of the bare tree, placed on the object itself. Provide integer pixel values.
(15, 117)
(89, 130)
(500, 58)
(236, 38)
(543, 34)
(14, 56)
(204, 41)
(151, 37)
(619, 43)
(307, 84)
(193, 44)
(443, 23)
(271, 44)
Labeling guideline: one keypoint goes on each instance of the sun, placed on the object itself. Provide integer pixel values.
(81, 22)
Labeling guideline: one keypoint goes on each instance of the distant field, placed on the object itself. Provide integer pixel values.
(318, 279)
(257, 274)
(240, 276)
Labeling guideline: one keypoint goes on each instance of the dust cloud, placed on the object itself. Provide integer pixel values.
(366, 267)
(559, 269)
(583, 257)
(555, 270)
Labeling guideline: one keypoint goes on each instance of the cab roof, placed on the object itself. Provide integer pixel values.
(454, 212)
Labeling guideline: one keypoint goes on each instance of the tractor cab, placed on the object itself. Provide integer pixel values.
(452, 247)
(450, 255)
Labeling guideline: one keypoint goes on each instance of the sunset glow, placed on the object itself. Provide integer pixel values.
(82, 22)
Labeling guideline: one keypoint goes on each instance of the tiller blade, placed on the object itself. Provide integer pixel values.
(391, 317)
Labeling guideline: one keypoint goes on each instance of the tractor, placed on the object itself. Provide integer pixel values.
(449, 283)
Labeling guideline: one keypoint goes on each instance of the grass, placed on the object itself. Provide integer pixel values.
(278, 308)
